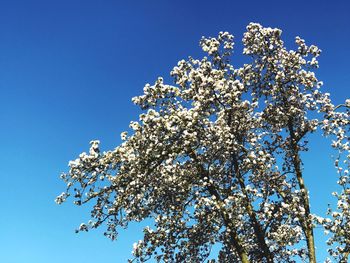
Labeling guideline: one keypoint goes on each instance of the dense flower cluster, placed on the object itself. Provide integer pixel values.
(215, 159)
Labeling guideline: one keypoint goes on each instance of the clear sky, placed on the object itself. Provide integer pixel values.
(68, 70)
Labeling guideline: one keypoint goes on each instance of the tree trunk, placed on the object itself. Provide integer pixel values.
(306, 222)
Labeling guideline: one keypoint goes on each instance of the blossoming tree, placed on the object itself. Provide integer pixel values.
(215, 159)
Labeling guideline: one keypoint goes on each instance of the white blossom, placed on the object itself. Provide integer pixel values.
(216, 159)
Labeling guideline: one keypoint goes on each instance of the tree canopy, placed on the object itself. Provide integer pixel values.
(215, 159)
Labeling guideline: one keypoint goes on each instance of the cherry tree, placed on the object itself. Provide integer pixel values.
(215, 159)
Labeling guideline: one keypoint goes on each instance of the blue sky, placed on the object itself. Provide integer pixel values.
(68, 70)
